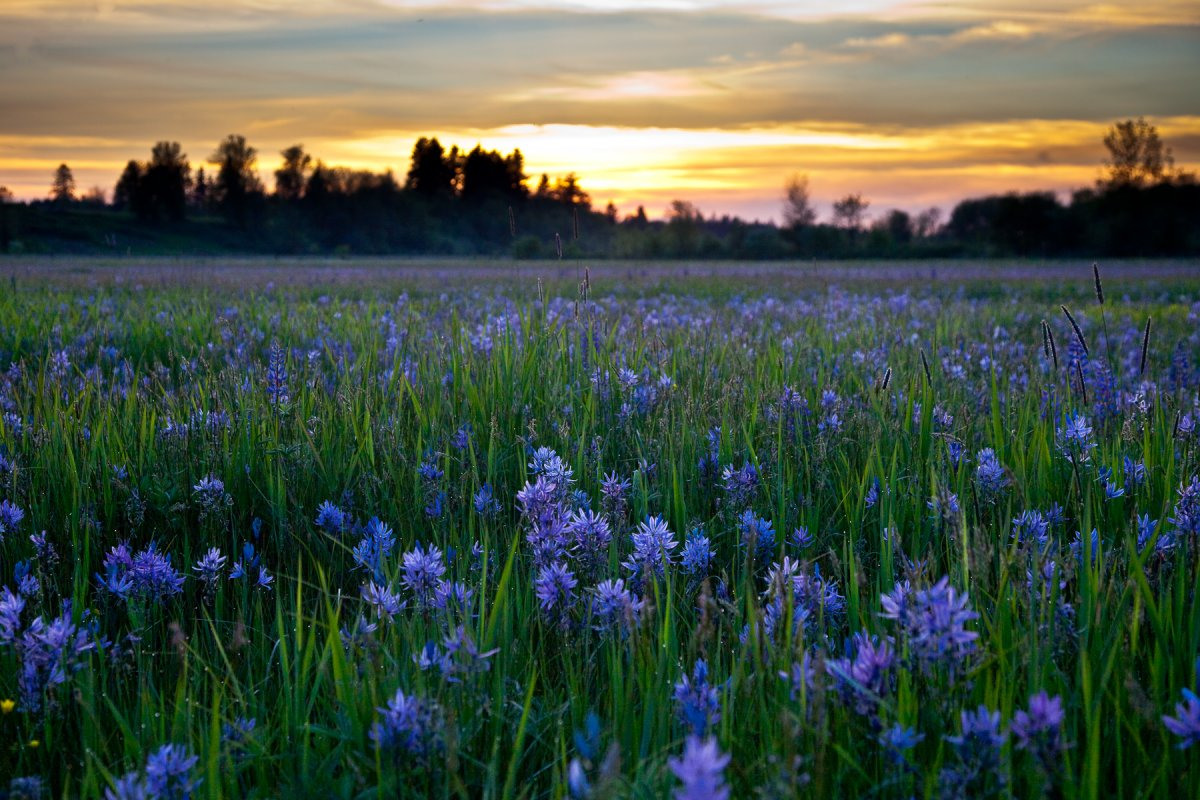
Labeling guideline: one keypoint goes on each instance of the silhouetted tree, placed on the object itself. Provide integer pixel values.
(237, 189)
(926, 223)
(290, 178)
(797, 208)
(164, 183)
(487, 174)
(1137, 156)
(431, 173)
(126, 192)
(898, 226)
(199, 196)
(848, 212)
(62, 190)
(568, 191)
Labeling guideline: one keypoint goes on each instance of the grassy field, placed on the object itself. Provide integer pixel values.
(508, 530)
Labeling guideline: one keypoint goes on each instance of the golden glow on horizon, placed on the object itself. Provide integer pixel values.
(651, 166)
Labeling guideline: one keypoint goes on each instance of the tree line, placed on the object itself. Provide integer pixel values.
(459, 202)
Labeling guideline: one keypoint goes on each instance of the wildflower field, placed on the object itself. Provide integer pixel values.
(600, 537)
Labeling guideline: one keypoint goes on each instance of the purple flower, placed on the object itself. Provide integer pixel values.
(739, 484)
(555, 589)
(10, 517)
(898, 740)
(277, 376)
(330, 518)
(146, 576)
(423, 568)
(590, 537)
(977, 753)
(653, 548)
(1186, 515)
(989, 474)
(211, 496)
(409, 726)
(697, 703)
(701, 770)
(696, 558)
(801, 539)
(382, 600)
(933, 621)
(167, 776)
(485, 502)
(1075, 440)
(614, 606)
(865, 680)
(377, 543)
(758, 537)
(1039, 728)
(1186, 722)
(208, 568)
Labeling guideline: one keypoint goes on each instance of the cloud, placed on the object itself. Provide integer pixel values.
(634, 96)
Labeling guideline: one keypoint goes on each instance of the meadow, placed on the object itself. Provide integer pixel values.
(474, 530)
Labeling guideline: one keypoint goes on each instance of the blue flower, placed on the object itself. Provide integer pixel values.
(408, 725)
(697, 555)
(330, 518)
(166, 776)
(555, 589)
(1039, 728)
(1186, 722)
(423, 568)
(10, 517)
(697, 702)
(701, 770)
(653, 548)
(614, 606)
(989, 474)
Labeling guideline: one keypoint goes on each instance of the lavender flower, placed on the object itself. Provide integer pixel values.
(211, 497)
(10, 517)
(1075, 439)
(977, 753)
(653, 548)
(590, 537)
(758, 537)
(408, 726)
(555, 590)
(696, 558)
(864, 681)
(376, 544)
(990, 477)
(697, 703)
(423, 568)
(1186, 515)
(613, 606)
(145, 576)
(166, 776)
(1186, 722)
(385, 602)
(485, 502)
(208, 568)
(933, 622)
(1039, 729)
(330, 518)
(701, 770)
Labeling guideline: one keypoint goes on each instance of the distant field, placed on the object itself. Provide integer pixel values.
(464, 529)
(258, 273)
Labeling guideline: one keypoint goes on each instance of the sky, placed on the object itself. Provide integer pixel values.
(912, 104)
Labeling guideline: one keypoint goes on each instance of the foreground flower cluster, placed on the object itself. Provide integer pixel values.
(937, 543)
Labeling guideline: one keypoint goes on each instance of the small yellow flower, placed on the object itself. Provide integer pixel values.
(7, 706)
(34, 743)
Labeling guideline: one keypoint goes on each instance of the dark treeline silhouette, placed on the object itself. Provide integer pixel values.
(479, 202)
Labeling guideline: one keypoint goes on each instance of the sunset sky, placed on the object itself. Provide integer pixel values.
(913, 104)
